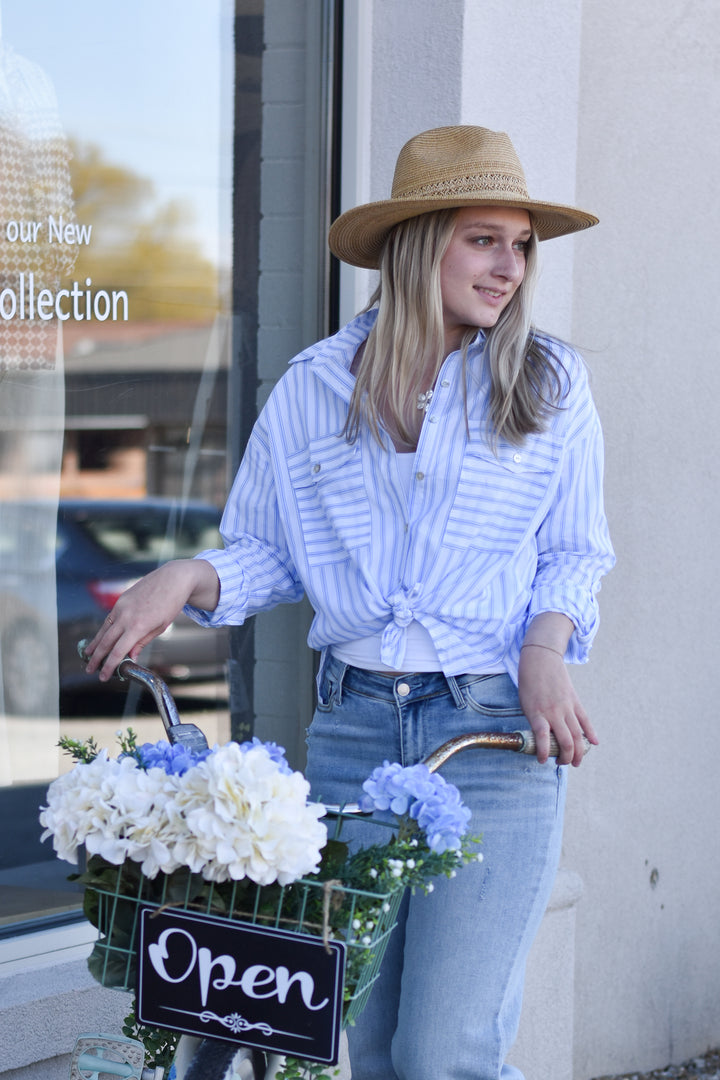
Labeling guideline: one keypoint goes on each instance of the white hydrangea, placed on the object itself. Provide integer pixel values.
(248, 818)
(236, 814)
(112, 807)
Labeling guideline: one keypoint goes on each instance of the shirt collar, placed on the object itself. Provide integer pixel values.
(332, 358)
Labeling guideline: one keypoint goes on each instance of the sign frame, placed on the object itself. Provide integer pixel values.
(273, 989)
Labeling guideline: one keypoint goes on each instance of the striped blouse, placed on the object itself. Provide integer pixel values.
(485, 539)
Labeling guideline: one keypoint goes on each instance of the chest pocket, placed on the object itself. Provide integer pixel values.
(500, 497)
(327, 480)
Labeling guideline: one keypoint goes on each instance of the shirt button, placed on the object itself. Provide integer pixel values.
(419, 475)
(445, 382)
(432, 419)
(316, 468)
(517, 458)
(403, 689)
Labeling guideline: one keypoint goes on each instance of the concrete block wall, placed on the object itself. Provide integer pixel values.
(47, 999)
(283, 663)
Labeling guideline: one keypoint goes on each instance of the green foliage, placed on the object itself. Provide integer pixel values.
(85, 751)
(297, 1069)
(128, 743)
(160, 1044)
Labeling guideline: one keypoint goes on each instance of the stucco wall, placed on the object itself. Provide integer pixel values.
(643, 831)
(614, 106)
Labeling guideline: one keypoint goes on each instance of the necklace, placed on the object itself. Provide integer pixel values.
(423, 400)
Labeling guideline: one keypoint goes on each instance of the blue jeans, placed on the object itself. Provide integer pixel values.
(447, 1003)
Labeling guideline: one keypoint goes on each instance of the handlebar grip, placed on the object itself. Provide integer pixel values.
(530, 747)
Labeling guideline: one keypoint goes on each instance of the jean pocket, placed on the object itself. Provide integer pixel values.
(495, 698)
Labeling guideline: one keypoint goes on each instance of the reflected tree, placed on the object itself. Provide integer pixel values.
(138, 245)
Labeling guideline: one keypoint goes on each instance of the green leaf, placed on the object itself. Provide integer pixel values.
(111, 968)
(334, 857)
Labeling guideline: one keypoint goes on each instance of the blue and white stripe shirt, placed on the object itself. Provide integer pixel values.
(486, 539)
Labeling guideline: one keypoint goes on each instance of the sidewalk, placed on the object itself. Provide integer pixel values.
(706, 1067)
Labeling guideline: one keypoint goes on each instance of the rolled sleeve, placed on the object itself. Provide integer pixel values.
(232, 604)
(574, 548)
(255, 568)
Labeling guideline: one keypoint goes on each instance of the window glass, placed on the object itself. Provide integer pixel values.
(115, 291)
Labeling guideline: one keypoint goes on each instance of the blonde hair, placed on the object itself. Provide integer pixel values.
(406, 347)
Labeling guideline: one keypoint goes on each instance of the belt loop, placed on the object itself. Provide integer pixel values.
(456, 692)
(334, 670)
(340, 676)
(325, 657)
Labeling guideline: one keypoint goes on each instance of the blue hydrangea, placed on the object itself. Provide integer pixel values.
(177, 759)
(425, 797)
(174, 759)
(275, 752)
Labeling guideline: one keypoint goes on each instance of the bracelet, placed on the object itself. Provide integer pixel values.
(537, 645)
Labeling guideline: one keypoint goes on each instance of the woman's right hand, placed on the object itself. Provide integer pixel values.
(147, 608)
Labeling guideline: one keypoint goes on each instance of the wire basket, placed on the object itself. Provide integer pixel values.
(360, 918)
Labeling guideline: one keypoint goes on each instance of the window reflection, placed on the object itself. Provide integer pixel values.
(114, 283)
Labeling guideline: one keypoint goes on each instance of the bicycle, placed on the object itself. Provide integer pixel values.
(214, 1057)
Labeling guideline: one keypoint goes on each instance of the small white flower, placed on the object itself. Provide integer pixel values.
(453, 873)
(430, 887)
(386, 907)
(479, 857)
(369, 925)
(372, 872)
(410, 863)
(356, 924)
(367, 940)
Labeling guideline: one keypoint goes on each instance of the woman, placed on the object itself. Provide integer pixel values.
(430, 477)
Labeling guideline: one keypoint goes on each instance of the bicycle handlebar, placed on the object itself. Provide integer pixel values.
(188, 735)
(522, 742)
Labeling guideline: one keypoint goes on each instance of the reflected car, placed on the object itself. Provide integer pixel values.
(93, 552)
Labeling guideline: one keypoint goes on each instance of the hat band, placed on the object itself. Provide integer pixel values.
(499, 184)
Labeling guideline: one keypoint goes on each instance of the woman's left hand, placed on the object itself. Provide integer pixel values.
(549, 701)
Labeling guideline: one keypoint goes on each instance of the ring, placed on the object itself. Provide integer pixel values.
(109, 619)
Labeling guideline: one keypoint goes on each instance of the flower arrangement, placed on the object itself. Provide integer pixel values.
(232, 831)
(232, 813)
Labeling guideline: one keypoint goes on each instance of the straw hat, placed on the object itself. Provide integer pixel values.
(444, 168)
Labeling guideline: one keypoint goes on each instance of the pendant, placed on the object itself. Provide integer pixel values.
(423, 400)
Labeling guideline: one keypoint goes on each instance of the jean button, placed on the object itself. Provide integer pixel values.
(403, 689)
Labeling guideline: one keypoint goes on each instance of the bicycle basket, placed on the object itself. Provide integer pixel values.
(362, 919)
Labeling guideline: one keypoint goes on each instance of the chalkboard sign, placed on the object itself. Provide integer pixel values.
(268, 988)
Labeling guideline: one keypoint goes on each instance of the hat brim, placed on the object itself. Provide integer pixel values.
(357, 236)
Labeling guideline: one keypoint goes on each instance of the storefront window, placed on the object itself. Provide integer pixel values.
(116, 297)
